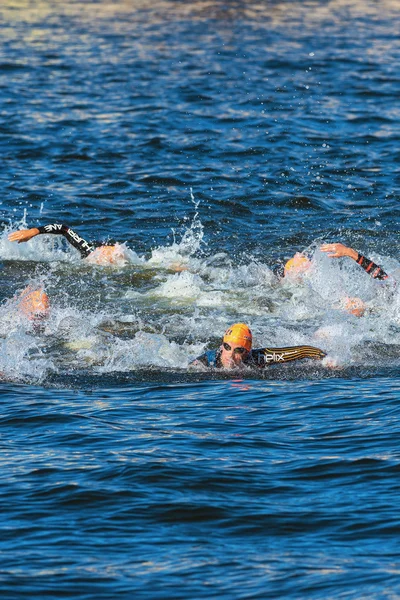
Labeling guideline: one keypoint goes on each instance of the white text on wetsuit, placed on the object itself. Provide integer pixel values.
(78, 239)
(56, 227)
(274, 357)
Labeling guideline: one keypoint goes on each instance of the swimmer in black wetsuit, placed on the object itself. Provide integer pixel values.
(300, 263)
(96, 252)
(236, 351)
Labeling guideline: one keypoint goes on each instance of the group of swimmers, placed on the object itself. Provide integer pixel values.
(236, 348)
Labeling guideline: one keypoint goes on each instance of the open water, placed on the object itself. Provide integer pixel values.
(212, 140)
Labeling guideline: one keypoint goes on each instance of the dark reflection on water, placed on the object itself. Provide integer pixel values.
(228, 135)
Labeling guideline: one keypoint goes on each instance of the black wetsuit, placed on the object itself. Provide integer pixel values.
(85, 248)
(371, 268)
(262, 357)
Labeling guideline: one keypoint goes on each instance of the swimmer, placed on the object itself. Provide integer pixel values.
(34, 304)
(94, 252)
(300, 264)
(338, 250)
(236, 351)
(297, 266)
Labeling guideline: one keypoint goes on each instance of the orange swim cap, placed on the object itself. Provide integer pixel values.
(239, 335)
(297, 265)
(34, 304)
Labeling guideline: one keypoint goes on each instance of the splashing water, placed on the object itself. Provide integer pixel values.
(160, 312)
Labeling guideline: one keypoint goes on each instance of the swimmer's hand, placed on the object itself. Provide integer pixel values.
(332, 363)
(24, 235)
(197, 365)
(338, 250)
(177, 267)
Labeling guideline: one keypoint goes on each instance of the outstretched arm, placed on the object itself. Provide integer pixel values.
(56, 229)
(280, 355)
(24, 235)
(338, 250)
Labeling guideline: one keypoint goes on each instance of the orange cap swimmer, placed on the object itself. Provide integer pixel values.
(239, 335)
(107, 255)
(34, 304)
(297, 265)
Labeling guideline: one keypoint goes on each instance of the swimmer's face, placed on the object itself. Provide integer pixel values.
(232, 355)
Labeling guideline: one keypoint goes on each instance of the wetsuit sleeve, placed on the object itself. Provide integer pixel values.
(370, 267)
(73, 238)
(265, 356)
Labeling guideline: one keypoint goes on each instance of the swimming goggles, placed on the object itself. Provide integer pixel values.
(239, 350)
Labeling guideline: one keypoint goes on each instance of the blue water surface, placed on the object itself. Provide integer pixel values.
(212, 140)
(233, 488)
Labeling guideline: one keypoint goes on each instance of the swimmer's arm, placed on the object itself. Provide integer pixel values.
(54, 229)
(338, 250)
(265, 356)
(201, 361)
(177, 267)
(198, 365)
(24, 235)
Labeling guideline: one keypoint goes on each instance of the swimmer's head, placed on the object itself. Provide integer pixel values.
(354, 306)
(238, 335)
(34, 304)
(236, 345)
(297, 266)
(107, 255)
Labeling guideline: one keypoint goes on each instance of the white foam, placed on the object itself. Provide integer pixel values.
(145, 350)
